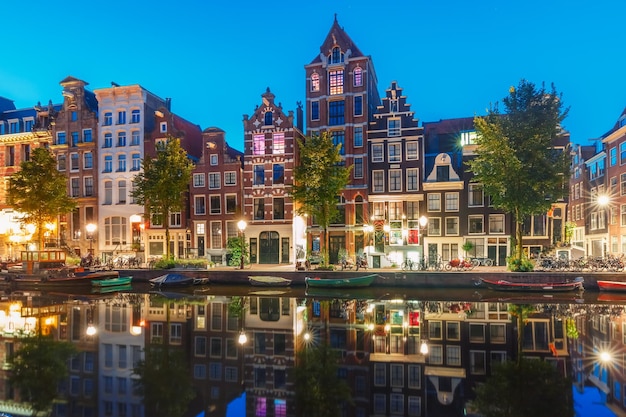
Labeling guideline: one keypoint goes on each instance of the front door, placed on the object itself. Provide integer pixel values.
(334, 244)
(269, 248)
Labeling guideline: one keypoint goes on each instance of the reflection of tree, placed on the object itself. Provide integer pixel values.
(509, 393)
(521, 312)
(319, 390)
(37, 368)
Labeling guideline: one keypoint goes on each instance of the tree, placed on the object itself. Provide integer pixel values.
(237, 248)
(319, 390)
(318, 181)
(509, 392)
(38, 366)
(162, 185)
(39, 191)
(516, 161)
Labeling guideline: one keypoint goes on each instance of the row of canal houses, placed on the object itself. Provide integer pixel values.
(401, 172)
(251, 344)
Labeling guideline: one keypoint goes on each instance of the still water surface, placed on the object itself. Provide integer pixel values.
(241, 345)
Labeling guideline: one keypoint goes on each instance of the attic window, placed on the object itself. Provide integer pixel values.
(336, 57)
(269, 116)
(163, 127)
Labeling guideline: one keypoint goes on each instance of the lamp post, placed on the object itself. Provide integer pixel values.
(242, 227)
(91, 228)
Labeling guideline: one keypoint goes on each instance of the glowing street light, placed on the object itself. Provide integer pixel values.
(91, 228)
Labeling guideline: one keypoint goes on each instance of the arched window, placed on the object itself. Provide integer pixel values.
(269, 118)
(358, 77)
(115, 230)
(315, 82)
(336, 57)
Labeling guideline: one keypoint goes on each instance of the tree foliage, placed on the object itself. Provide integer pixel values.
(516, 160)
(164, 381)
(39, 191)
(163, 184)
(319, 390)
(319, 179)
(508, 392)
(38, 366)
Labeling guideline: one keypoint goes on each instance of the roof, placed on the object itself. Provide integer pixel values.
(445, 126)
(337, 36)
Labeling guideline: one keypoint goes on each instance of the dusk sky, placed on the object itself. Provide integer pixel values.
(214, 59)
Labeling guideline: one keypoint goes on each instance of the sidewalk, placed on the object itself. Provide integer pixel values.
(292, 268)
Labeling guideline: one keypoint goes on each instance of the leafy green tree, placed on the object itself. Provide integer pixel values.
(162, 185)
(39, 191)
(38, 366)
(319, 179)
(236, 246)
(319, 390)
(516, 160)
(508, 392)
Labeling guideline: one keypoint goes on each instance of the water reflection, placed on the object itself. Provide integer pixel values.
(403, 352)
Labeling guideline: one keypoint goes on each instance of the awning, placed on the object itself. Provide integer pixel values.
(445, 371)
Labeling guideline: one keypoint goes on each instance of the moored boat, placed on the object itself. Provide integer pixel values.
(504, 285)
(176, 280)
(355, 282)
(617, 286)
(111, 282)
(268, 281)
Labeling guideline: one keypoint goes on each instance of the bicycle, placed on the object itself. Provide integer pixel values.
(408, 264)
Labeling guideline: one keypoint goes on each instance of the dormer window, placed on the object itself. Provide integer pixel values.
(269, 118)
(336, 56)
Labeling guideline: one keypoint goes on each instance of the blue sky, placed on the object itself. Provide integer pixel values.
(215, 58)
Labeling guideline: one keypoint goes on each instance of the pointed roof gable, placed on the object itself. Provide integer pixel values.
(337, 37)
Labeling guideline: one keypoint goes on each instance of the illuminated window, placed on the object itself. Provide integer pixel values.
(358, 77)
(279, 143)
(258, 144)
(335, 79)
(315, 82)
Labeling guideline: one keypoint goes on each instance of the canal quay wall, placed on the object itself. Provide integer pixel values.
(386, 277)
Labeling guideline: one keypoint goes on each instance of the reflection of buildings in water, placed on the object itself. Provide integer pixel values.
(379, 340)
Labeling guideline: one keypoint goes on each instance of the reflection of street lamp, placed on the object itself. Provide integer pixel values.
(242, 226)
(91, 228)
(243, 339)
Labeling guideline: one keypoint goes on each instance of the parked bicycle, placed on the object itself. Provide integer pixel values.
(408, 265)
(460, 265)
(482, 261)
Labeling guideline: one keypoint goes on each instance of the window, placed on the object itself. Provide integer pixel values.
(622, 153)
(339, 139)
(434, 202)
(199, 205)
(279, 208)
(336, 113)
(74, 162)
(176, 333)
(278, 174)
(411, 179)
(393, 127)
(395, 152)
(216, 243)
(477, 333)
(378, 181)
(258, 144)
(108, 163)
(121, 117)
(75, 139)
(198, 180)
(163, 127)
(121, 139)
(411, 151)
(497, 333)
(358, 77)
(377, 153)
(61, 138)
(475, 195)
(358, 136)
(435, 355)
(476, 224)
(335, 79)
(393, 105)
(216, 204)
(134, 138)
(121, 163)
(279, 143)
(214, 180)
(121, 191)
(259, 209)
(315, 110)
(87, 136)
(231, 204)
(108, 118)
(75, 187)
(136, 162)
(358, 105)
(358, 167)
(477, 362)
(135, 116)
(315, 82)
(214, 159)
(452, 226)
(88, 186)
(115, 228)
(496, 223)
(452, 201)
(268, 118)
(395, 180)
(434, 226)
(613, 157)
(259, 175)
(453, 355)
(230, 178)
(108, 140)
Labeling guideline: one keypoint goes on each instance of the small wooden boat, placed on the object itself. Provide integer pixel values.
(356, 282)
(504, 285)
(111, 282)
(615, 286)
(176, 280)
(114, 288)
(268, 281)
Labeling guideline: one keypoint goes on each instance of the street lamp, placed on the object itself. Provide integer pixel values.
(91, 228)
(242, 227)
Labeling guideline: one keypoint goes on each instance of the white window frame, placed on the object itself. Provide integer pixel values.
(378, 152)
